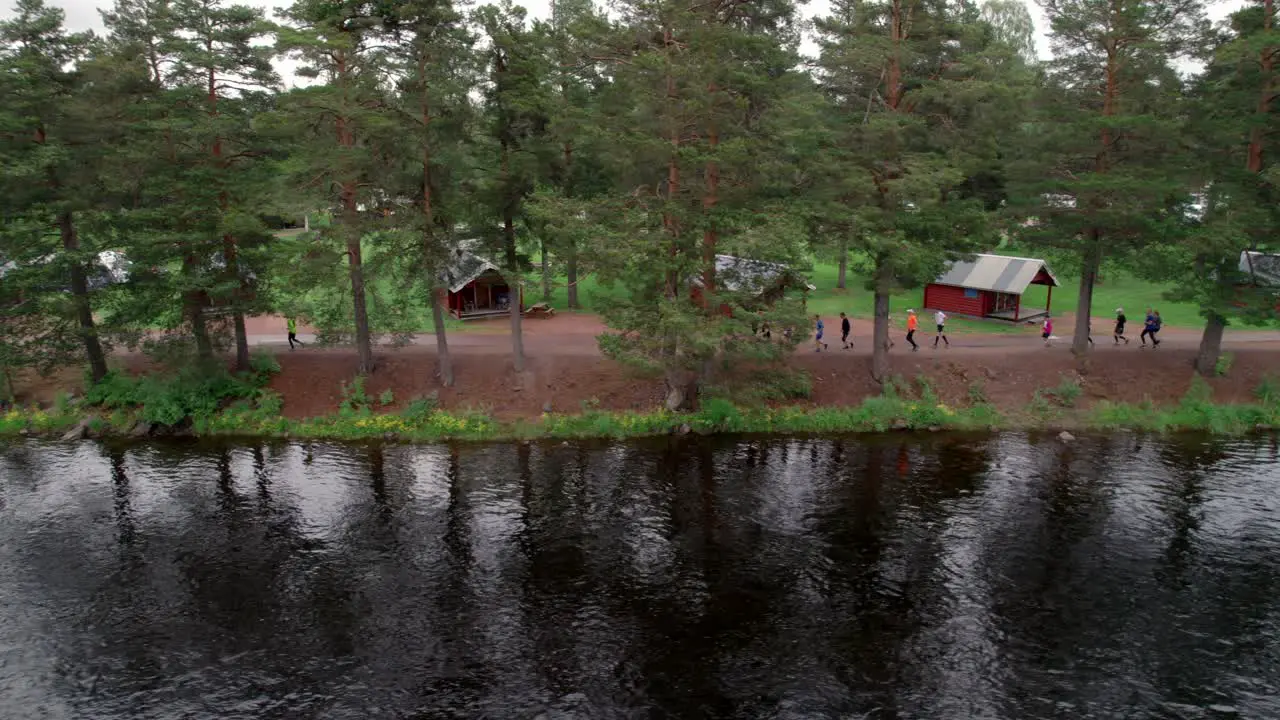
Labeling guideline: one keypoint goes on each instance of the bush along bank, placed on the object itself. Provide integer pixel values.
(248, 410)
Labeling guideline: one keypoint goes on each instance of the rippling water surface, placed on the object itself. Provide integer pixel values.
(951, 578)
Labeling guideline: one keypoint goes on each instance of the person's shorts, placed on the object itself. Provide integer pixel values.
(940, 328)
(1044, 335)
(818, 336)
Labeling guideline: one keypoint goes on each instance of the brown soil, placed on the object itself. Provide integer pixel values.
(566, 373)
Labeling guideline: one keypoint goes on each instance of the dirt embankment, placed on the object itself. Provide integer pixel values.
(310, 382)
(565, 372)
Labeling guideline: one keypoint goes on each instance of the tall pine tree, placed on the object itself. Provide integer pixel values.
(1107, 167)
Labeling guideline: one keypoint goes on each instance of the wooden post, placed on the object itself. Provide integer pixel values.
(1017, 307)
(1048, 300)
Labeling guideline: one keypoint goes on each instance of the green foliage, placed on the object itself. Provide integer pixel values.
(263, 364)
(1067, 392)
(355, 401)
(1223, 365)
(977, 393)
(1040, 405)
(386, 397)
(170, 399)
(1268, 391)
(421, 408)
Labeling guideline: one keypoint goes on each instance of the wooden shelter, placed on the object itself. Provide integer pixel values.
(477, 288)
(763, 282)
(990, 286)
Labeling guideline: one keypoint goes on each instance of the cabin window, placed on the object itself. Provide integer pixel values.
(970, 293)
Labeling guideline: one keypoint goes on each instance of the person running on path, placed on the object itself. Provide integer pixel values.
(844, 331)
(941, 319)
(1156, 324)
(819, 346)
(1046, 330)
(293, 331)
(1118, 334)
(1146, 328)
(912, 324)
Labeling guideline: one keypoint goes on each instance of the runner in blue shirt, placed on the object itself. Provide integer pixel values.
(819, 346)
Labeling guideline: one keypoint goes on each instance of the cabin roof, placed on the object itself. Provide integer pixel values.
(466, 266)
(736, 274)
(1263, 268)
(997, 273)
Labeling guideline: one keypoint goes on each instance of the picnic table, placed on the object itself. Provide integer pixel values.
(540, 310)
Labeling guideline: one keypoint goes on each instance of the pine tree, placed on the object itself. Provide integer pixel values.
(516, 109)
(1232, 133)
(437, 69)
(341, 126)
(696, 129)
(914, 93)
(574, 30)
(50, 169)
(1109, 165)
(217, 50)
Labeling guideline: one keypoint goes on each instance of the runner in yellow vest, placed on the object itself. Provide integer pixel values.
(293, 332)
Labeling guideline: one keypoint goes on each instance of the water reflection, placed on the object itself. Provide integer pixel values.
(1003, 577)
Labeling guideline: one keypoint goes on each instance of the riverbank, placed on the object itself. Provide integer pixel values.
(569, 391)
(913, 408)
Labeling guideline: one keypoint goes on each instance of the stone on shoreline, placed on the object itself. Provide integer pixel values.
(1066, 437)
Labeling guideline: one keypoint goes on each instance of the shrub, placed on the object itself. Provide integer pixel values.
(1268, 391)
(977, 393)
(1067, 393)
(718, 415)
(386, 398)
(263, 365)
(170, 399)
(421, 408)
(1223, 365)
(1040, 404)
(354, 398)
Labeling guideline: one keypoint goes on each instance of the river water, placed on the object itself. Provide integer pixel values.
(941, 577)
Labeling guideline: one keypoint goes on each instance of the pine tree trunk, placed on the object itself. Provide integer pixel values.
(880, 350)
(355, 261)
(844, 265)
(444, 361)
(1211, 345)
(194, 301)
(514, 286)
(1084, 303)
(571, 276)
(80, 299)
(546, 273)
(233, 270)
(364, 342)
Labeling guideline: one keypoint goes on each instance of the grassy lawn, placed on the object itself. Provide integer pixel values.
(1116, 290)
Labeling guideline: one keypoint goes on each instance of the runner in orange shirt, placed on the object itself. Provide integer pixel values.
(912, 323)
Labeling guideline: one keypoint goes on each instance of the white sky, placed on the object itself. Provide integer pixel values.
(83, 14)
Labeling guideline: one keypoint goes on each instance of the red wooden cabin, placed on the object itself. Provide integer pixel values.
(990, 286)
(477, 288)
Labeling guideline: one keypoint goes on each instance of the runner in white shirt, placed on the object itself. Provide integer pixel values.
(941, 319)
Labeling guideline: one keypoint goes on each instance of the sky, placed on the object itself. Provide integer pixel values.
(83, 14)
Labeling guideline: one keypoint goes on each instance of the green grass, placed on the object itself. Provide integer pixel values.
(1116, 290)
(422, 421)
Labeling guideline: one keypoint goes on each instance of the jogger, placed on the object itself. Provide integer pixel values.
(941, 319)
(293, 332)
(1156, 324)
(844, 331)
(819, 346)
(912, 324)
(1146, 328)
(1118, 334)
(1046, 330)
